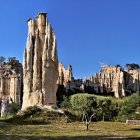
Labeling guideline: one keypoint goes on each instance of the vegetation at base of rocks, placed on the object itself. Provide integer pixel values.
(15, 108)
(11, 111)
(105, 108)
(83, 103)
(63, 93)
(37, 123)
(130, 108)
(35, 114)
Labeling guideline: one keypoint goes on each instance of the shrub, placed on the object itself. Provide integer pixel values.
(31, 110)
(15, 108)
(83, 102)
(129, 108)
(66, 103)
(104, 108)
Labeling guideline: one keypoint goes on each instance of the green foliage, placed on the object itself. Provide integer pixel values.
(83, 102)
(129, 108)
(2, 60)
(105, 108)
(12, 61)
(118, 65)
(31, 110)
(132, 66)
(62, 92)
(66, 104)
(15, 108)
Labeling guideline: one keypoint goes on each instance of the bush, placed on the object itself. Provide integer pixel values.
(31, 110)
(129, 108)
(106, 108)
(66, 103)
(15, 108)
(83, 102)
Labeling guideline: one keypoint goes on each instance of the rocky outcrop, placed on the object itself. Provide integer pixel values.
(65, 76)
(40, 69)
(6, 105)
(11, 81)
(133, 80)
(10, 85)
(115, 80)
(110, 80)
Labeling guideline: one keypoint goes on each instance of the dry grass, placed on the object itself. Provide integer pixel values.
(67, 131)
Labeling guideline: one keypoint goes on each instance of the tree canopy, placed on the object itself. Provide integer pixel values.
(2, 60)
(132, 66)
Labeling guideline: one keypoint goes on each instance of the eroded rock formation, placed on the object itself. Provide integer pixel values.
(110, 80)
(65, 76)
(10, 85)
(11, 81)
(40, 69)
(115, 80)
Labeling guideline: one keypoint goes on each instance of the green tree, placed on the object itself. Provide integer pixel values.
(129, 107)
(132, 66)
(83, 102)
(118, 66)
(2, 60)
(103, 106)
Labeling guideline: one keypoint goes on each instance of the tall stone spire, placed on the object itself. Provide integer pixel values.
(40, 71)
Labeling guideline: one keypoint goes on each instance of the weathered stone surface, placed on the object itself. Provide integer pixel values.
(11, 81)
(10, 85)
(110, 80)
(6, 105)
(133, 122)
(65, 76)
(115, 80)
(40, 69)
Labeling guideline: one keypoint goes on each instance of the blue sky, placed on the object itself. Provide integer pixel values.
(89, 32)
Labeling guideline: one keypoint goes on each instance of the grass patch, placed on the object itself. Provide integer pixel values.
(67, 131)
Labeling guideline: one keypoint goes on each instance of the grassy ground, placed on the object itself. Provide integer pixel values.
(68, 131)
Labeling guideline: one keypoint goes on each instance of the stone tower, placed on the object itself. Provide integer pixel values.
(40, 68)
(65, 75)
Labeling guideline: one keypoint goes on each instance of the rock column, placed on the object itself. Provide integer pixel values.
(40, 64)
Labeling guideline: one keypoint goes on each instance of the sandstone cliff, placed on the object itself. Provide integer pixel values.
(40, 68)
(110, 80)
(115, 80)
(11, 82)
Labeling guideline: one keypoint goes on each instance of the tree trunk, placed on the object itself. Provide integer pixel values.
(87, 126)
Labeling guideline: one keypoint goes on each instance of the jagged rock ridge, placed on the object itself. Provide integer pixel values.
(110, 80)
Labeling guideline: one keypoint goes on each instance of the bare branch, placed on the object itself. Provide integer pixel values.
(91, 117)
